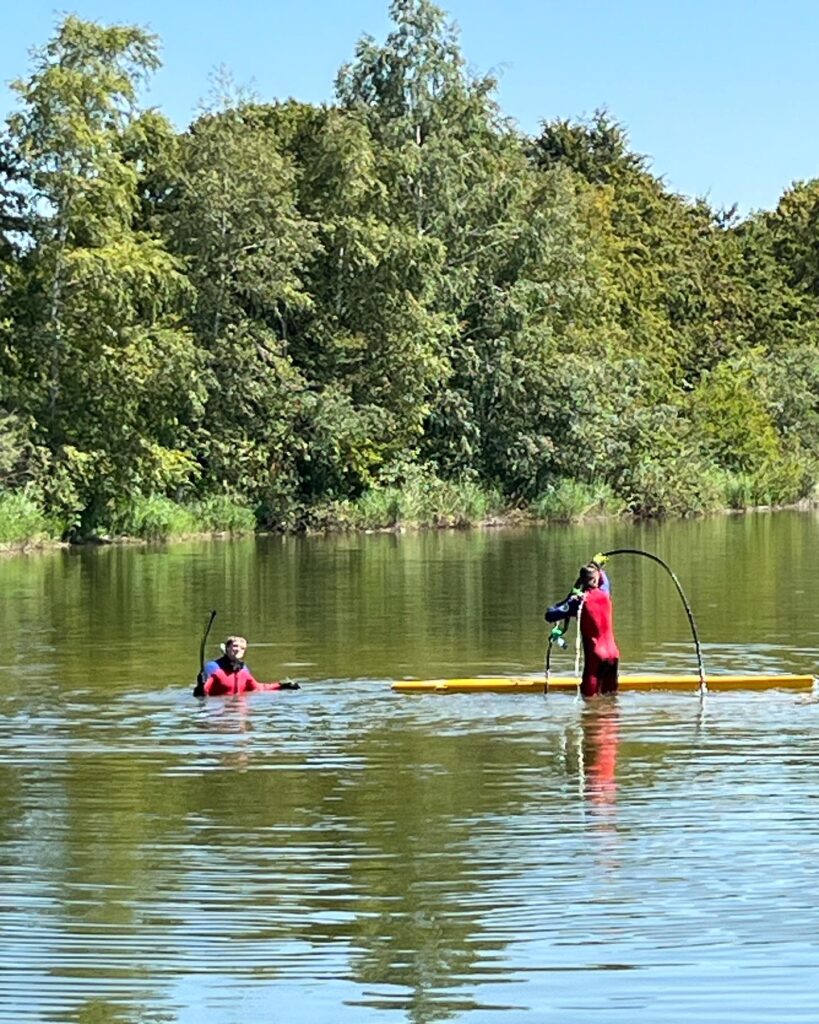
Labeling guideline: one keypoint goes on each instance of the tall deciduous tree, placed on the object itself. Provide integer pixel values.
(236, 221)
(107, 364)
(372, 335)
(499, 263)
(231, 214)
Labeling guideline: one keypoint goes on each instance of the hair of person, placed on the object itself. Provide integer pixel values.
(587, 573)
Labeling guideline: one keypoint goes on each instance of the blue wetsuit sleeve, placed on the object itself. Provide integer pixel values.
(605, 584)
(565, 610)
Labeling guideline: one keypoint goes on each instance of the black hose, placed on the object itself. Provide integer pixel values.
(548, 667)
(688, 612)
(198, 692)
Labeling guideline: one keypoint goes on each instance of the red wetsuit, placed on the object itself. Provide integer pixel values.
(601, 655)
(228, 679)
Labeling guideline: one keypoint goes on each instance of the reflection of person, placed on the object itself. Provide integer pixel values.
(590, 603)
(597, 752)
(600, 738)
(229, 674)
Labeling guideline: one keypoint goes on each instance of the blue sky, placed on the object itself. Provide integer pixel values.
(723, 96)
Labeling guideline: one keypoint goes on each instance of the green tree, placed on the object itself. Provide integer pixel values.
(228, 208)
(236, 222)
(500, 252)
(371, 335)
(106, 365)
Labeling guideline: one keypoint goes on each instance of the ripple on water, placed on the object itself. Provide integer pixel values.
(370, 855)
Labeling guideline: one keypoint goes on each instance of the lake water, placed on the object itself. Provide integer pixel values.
(348, 854)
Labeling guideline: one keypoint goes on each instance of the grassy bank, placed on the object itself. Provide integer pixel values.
(23, 523)
(422, 501)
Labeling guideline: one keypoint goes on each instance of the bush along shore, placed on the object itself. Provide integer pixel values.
(424, 503)
(394, 309)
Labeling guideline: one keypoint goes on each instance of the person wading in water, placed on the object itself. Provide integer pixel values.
(229, 675)
(590, 601)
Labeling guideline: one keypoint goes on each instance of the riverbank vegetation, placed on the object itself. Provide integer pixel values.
(393, 308)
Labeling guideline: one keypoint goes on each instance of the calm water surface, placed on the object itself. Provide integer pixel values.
(347, 854)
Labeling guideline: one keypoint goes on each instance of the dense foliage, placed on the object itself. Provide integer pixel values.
(395, 302)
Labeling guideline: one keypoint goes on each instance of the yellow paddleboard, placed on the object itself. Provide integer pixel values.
(649, 681)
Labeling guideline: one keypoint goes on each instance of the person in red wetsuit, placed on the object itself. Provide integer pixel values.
(591, 601)
(229, 674)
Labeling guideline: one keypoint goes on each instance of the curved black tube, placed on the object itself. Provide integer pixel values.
(688, 612)
(196, 692)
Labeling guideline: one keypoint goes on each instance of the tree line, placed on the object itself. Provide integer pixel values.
(394, 306)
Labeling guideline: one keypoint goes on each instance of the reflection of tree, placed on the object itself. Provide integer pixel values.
(357, 846)
(419, 926)
(364, 853)
(104, 1011)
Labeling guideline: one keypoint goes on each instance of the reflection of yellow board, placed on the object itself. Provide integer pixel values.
(534, 684)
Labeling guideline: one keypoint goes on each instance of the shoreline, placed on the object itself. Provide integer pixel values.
(497, 522)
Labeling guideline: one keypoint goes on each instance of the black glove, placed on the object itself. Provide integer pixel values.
(289, 684)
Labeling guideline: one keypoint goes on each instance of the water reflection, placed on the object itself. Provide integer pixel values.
(600, 729)
(348, 855)
(378, 858)
(225, 724)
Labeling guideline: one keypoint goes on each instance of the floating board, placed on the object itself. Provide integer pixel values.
(568, 684)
